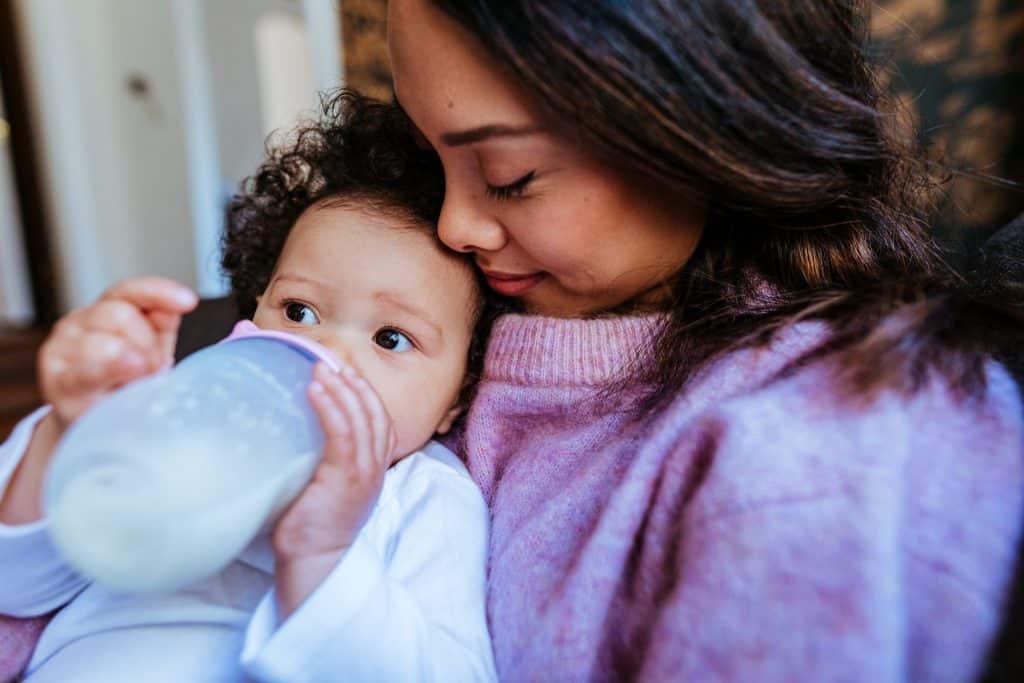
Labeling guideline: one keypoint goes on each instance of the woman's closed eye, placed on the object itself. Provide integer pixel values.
(300, 313)
(393, 340)
(513, 189)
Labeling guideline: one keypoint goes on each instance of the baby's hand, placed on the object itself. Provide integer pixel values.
(358, 447)
(321, 524)
(129, 333)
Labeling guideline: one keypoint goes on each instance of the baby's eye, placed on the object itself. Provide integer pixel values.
(392, 340)
(300, 313)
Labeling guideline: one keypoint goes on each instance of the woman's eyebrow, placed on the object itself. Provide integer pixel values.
(481, 133)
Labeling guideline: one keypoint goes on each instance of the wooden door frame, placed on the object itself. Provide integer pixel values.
(27, 184)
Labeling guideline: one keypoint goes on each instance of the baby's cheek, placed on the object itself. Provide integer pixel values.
(409, 435)
(413, 421)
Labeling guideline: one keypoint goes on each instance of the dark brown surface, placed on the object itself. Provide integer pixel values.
(210, 322)
(19, 394)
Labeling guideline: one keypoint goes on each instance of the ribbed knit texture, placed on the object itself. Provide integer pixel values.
(573, 353)
(755, 529)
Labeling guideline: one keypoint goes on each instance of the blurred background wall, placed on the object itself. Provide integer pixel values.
(131, 122)
(957, 67)
(142, 117)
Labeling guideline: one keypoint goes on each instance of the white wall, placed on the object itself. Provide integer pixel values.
(114, 163)
(229, 99)
(241, 87)
(133, 182)
(231, 47)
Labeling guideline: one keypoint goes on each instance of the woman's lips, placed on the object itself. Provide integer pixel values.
(509, 284)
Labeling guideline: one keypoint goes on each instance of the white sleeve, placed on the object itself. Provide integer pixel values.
(34, 578)
(412, 613)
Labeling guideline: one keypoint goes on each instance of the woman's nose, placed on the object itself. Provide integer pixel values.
(464, 227)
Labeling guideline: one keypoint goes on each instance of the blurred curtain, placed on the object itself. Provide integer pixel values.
(365, 46)
(957, 67)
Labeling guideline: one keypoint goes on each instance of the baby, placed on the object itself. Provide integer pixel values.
(376, 570)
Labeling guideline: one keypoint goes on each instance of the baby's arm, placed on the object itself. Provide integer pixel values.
(320, 526)
(34, 579)
(406, 602)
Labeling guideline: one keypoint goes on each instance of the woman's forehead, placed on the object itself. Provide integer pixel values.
(444, 77)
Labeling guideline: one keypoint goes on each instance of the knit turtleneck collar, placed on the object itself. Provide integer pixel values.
(542, 351)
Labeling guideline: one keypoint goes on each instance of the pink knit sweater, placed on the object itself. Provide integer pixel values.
(757, 529)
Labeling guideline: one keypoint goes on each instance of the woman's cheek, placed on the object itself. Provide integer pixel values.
(543, 223)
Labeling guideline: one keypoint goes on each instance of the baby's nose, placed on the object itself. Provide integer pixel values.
(340, 350)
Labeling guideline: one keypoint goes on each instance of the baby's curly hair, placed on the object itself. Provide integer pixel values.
(361, 151)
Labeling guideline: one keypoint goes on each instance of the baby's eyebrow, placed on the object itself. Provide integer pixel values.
(297, 278)
(410, 308)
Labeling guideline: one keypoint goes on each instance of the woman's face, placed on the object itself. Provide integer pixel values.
(544, 218)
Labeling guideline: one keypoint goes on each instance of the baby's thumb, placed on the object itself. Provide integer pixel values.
(166, 325)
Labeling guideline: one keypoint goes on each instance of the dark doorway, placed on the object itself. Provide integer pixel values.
(27, 184)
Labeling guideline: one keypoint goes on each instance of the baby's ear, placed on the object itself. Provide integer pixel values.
(449, 419)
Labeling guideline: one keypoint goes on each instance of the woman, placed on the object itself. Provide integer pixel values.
(740, 430)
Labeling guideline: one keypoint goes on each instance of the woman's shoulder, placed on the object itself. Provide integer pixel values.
(788, 382)
(790, 430)
(912, 499)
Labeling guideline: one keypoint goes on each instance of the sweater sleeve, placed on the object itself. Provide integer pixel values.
(401, 605)
(34, 579)
(830, 544)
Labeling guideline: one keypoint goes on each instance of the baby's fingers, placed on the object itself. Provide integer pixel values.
(162, 301)
(334, 422)
(341, 396)
(154, 293)
(103, 361)
(74, 375)
(122, 319)
(166, 326)
(379, 423)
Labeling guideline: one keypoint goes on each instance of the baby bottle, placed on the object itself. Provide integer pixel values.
(165, 481)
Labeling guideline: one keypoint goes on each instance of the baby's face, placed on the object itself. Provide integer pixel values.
(389, 300)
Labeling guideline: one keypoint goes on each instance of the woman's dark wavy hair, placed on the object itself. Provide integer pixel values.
(771, 112)
(360, 152)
